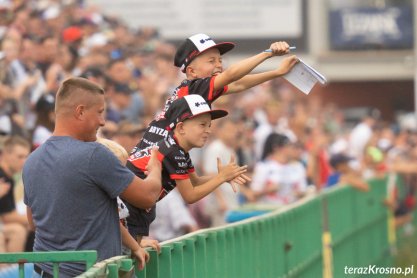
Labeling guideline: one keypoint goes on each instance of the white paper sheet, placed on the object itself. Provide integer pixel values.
(304, 77)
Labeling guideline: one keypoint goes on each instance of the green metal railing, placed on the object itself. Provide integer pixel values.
(358, 225)
(287, 242)
(120, 266)
(88, 257)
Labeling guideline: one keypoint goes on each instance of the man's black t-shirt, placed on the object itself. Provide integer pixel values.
(7, 203)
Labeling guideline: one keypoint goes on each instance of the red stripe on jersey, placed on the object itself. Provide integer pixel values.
(191, 170)
(210, 96)
(141, 162)
(160, 156)
(179, 177)
(183, 91)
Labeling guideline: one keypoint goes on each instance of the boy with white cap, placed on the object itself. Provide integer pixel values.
(199, 57)
(189, 120)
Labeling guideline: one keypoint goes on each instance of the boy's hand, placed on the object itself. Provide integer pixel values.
(287, 64)
(279, 48)
(153, 164)
(153, 243)
(240, 180)
(142, 257)
(230, 171)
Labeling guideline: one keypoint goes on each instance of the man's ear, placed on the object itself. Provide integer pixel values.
(79, 112)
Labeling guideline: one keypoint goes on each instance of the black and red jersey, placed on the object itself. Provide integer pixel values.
(158, 128)
(176, 163)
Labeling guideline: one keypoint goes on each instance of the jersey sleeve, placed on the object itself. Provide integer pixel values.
(205, 88)
(138, 160)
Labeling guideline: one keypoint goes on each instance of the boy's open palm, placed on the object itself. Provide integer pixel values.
(230, 171)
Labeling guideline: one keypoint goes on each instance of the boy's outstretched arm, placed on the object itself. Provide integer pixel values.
(244, 67)
(252, 80)
(192, 194)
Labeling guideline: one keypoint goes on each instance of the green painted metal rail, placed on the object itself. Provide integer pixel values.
(286, 242)
(120, 266)
(89, 257)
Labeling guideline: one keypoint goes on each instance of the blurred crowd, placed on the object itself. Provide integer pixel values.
(294, 145)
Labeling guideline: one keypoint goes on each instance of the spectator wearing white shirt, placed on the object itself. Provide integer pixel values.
(361, 134)
(275, 179)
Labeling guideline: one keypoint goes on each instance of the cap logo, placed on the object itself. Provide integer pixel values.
(199, 103)
(204, 40)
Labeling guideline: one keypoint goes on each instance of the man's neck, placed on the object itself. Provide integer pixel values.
(65, 130)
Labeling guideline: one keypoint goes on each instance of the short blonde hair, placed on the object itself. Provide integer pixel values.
(73, 91)
(115, 148)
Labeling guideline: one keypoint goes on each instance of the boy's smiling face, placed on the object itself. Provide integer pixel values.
(194, 132)
(208, 63)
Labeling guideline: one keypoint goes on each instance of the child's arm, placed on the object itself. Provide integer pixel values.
(244, 67)
(141, 255)
(252, 80)
(199, 180)
(192, 194)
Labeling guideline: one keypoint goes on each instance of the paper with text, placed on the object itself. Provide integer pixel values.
(304, 77)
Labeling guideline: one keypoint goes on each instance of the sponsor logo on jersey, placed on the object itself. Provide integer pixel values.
(182, 164)
(158, 131)
(140, 154)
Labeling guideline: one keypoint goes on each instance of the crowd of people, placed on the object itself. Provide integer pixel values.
(68, 71)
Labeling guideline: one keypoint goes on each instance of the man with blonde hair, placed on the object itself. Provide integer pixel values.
(71, 182)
